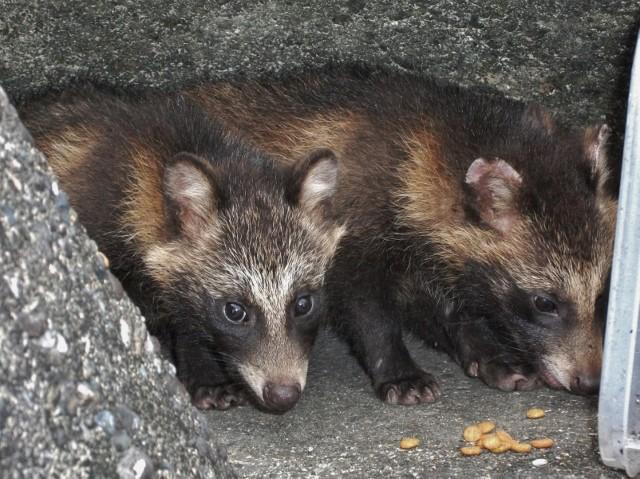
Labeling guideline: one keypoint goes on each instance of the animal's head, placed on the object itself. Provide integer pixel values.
(244, 267)
(537, 258)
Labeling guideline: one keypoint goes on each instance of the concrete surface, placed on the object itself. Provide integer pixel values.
(572, 56)
(339, 429)
(82, 392)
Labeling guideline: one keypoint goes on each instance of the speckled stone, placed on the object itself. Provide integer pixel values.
(572, 56)
(77, 399)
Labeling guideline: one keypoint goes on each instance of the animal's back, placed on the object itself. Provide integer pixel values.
(110, 151)
(223, 249)
(461, 204)
(376, 120)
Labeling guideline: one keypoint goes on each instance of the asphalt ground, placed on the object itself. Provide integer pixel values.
(340, 429)
(572, 57)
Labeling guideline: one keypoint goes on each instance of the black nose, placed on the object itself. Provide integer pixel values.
(281, 397)
(585, 384)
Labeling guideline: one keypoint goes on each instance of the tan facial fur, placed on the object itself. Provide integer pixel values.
(67, 151)
(583, 282)
(144, 207)
(266, 275)
(432, 204)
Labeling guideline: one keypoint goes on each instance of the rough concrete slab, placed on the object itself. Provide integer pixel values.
(570, 56)
(83, 393)
(339, 429)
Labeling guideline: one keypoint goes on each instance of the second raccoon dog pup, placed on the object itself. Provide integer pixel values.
(477, 222)
(224, 251)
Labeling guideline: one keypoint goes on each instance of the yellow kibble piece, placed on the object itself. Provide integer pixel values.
(542, 443)
(470, 451)
(490, 441)
(504, 436)
(501, 448)
(472, 433)
(535, 413)
(409, 442)
(520, 447)
(486, 426)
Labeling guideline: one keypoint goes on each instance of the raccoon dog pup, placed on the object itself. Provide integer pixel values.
(474, 221)
(223, 250)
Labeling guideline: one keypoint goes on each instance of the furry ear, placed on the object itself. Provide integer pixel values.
(190, 194)
(314, 182)
(495, 186)
(538, 118)
(595, 145)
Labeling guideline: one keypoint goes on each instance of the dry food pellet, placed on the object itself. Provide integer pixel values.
(504, 436)
(543, 443)
(486, 426)
(490, 441)
(409, 442)
(470, 451)
(501, 448)
(485, 436)
(472, 433)
(520, 447)
(535, 413)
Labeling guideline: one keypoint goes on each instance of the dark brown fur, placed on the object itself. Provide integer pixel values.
(193, 221)
(457, 251)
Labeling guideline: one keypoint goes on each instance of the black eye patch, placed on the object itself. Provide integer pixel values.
(545, 305)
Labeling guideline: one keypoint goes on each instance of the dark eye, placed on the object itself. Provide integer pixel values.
(303, 305)
(545, 305)
(235, 312)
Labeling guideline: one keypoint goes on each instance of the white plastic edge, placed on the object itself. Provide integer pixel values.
(619, 403)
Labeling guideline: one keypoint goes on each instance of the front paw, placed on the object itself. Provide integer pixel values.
(221, 396)
(409, 390)
(502, 376)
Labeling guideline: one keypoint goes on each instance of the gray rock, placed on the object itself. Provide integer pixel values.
(572, 56)
(567, 54)
(79, 397)
(106, 421)
(135, 464)
(121, 440)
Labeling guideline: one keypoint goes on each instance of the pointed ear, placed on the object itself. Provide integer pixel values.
(314, 182)
(495, 186)
(190, 194)
(538, 118)
(595, 141)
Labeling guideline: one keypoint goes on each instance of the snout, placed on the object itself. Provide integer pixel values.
(585, 383)
(585, 377)
(274, 391)
(280, 397)
(584, 380)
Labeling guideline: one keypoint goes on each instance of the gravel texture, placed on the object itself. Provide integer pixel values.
(339, 429)
(572, 56)
(83, 393)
